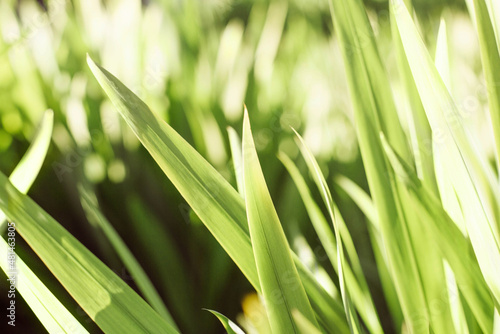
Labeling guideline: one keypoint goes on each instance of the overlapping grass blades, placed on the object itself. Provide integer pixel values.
(48, 309)
(472, 179)
(211, 197)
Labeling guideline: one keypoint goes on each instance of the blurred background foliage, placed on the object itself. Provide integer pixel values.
(195, 63)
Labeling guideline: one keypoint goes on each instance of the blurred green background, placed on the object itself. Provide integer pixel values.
(195, 63)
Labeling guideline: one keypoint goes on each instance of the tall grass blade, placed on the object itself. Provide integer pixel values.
(281, 286)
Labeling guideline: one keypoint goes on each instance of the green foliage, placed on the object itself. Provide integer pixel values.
(155, 199)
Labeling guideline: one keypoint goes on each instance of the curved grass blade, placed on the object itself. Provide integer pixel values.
(28, 168)
(111, 303)
(356, 284)
(231, 327)
(211, 197)
(359, 291)
(281, 286)
(90, 206)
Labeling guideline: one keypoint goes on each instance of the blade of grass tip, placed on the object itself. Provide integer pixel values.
(91, 209)
(304, 324)
(28, 168)
(47, 308)
(357, 284)
(235, 144)
(230, 327)
(490, 59)
(474, 183)
(453, 244)
(211, 197)
(111, 303)
(282, 288)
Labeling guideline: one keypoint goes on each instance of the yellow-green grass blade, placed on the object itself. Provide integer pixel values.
(281, 286)
(473, 182)
(360, 294)
(373, 112)
(419, 130)
(229, 326)
(111, 303)
(356, 284)
(28, 168)
(304, 325)
(94, 215)
(217, 204)
(47, 308)
(490, 59)
(456, 249)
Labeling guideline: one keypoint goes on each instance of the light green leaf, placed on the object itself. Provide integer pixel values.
(454, 246)
(281, 286)
(472, 179)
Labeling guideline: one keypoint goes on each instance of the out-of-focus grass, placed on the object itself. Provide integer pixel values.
(195, 64)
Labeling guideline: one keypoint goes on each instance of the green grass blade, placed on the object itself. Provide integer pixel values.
(490, 58)
(281, 286)
(454, 246)
(217, 204)
(48, 309)
(473, 181)
(356, 286)
(28, 168)
(374, 111)
(111, 303)
(231, 327)
(90, 206)
(304, 325)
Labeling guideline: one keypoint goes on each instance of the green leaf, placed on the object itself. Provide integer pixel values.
(281, 286)
(350, 285)
(231, 327)
(48, 309)
(211, 197)
(490, 59)
(452, 243)
(304, 325)
(472, 179)
(111, 303)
